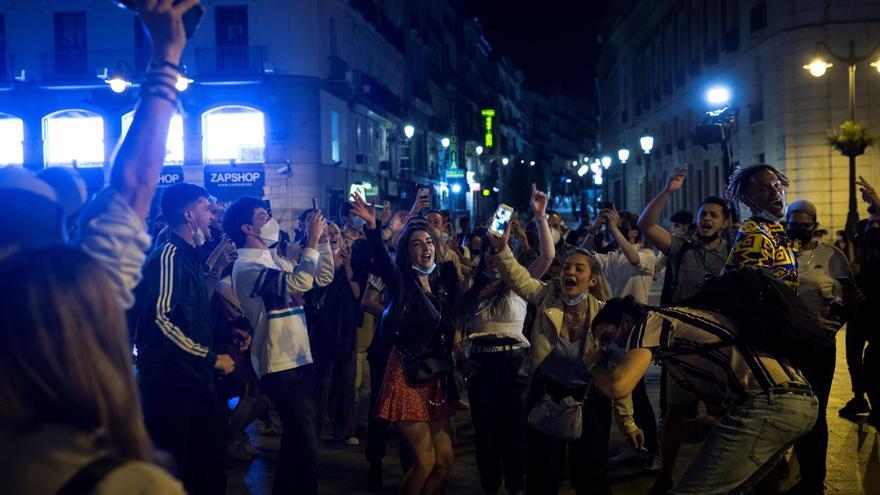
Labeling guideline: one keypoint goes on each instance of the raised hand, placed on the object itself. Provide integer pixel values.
(423, 200)
(676, 180)
(222, 256)
(612, 218)
(164, 21)
(386, 212)
(869, 195)
(538, 202)
(497, 242)
(316, 224)
(368, 212)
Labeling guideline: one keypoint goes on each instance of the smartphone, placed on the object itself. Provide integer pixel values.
(191, 18)
(314, 203)
(500, 220)
(607, 205)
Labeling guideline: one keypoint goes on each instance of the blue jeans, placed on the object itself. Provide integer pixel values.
(748, 442)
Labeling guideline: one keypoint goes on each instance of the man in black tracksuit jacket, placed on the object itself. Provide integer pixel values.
(173, 335)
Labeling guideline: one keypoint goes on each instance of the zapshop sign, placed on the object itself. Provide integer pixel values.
(171, 174)
(232, 181)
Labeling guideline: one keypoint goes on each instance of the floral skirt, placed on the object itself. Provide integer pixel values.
(401, 401)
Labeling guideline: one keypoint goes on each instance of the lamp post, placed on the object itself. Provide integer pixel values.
(623, 156)
(817, 68)
(647, 144)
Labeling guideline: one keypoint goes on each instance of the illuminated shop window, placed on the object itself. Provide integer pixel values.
(234, 133)
(11, 138)
(174, 144)
(73, 135)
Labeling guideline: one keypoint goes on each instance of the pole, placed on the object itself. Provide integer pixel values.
(852, 215)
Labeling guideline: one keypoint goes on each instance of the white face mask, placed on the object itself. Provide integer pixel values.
(357, 223)
(556, 235)
(197, 234)
(269, 233)
(444, 237)
(424, 271)
(574, 300)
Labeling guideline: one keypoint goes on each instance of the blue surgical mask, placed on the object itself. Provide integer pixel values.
(574, 300)
(424, 271)
(615, 353)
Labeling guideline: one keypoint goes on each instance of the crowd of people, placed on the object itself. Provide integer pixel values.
(121, 351)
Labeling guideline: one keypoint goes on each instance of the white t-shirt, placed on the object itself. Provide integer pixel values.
(818, 271)
(627, 279)
(503, 320)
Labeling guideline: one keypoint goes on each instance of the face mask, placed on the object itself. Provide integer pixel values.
(615, 353)
(766, 215)
(555, 235)
(357, 223)
(487, 272)
(803, 236)
(444, 237)
(197, 234)
(424, 271)
(574, 300)
(708, 239)
(269, 232)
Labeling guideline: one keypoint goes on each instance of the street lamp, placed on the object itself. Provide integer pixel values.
(479, 150)
(623, 155)
(505, 161)
(647, 144)
(444, 142)
(182, 83)
(606, 162)
(718, 96)
(817, 68)
(532, 163)
(409, 131)
(574, 163)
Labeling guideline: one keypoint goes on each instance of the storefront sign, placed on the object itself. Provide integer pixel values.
(228, 182)
(488, 137)
(171, 174)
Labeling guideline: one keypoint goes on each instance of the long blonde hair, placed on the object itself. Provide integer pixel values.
(65, 356)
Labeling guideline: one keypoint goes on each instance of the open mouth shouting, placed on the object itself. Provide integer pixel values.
(569, 282)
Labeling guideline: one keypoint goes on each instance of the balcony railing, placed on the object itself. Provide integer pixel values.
(82, 64)
(231, 60)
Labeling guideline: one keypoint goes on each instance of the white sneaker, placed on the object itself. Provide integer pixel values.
(352, 441)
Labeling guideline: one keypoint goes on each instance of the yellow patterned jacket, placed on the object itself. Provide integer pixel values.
(765, 244)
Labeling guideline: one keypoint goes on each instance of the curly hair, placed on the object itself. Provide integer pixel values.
(739, 181)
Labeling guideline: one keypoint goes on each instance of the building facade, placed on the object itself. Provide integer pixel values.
(660, 59)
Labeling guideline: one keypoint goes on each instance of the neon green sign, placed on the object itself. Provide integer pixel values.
(488, 138)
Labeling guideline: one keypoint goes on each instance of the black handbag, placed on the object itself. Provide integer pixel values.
(426, 367)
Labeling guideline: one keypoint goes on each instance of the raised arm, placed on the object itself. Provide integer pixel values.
(659, 236)
(631, 252)
(302, 279)
(139, 159)
(548, 251)
(382, 262)
(514, 275)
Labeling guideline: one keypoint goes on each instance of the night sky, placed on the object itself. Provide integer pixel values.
(552, 41)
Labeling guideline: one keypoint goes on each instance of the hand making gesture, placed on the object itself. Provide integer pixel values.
(676, 180)
(364, 210)
(869, 195)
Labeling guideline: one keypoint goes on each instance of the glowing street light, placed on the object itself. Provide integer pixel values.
(409, 131)
(444, 142)
(595, 168)
(818, 67)
(532, 163)
(479, 150)
(505, 161)
(456, 188)
(574, 163)
(118, 84)
(623, 155)
(597, 179)
(583, 170)
(718, 96)
(606, 162)
(182, 83)
(647, 144)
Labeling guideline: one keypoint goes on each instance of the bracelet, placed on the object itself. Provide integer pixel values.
(157, 75)
(145, 93)
(159, 83)
(158, 64)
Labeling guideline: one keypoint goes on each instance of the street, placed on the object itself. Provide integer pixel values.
(853, 456)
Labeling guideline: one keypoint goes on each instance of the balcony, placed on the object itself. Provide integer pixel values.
(85, 64)
(229, 61)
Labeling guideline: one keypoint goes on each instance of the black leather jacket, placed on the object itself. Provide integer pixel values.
(414, 320)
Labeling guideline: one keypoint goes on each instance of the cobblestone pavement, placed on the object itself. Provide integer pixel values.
(853, 456)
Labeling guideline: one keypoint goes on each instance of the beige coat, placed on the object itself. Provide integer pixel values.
(548, 323)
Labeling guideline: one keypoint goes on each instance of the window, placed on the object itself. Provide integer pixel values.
(233, 133)
(11, 138)
(334, 136)
(70, 43)
(231, 34)
(73, 136)
(174, 144)
(758, 17)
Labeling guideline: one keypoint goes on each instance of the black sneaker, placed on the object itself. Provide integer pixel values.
(855, 407)
(662, 485)
(373, 483)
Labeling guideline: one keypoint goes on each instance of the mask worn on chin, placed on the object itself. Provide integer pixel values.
(269, 232)
(803, 236)
(708, 239)
(444, 237)
(556, 235)
(424, 271)
(197, 234)
(574, 300)
(766, 215)
(357, 223)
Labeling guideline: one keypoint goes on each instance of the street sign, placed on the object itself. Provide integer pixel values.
(454, 173)
(171, 174)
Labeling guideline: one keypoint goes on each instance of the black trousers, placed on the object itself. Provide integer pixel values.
(292, 392)
(335, 394)
(811, 449)
(377, 428)
(497, 392)
(855, 351)
(872, 372)
(587, 456)
(643, 414)
(192, 427)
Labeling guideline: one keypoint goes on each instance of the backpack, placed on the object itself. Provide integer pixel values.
(768, 314)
